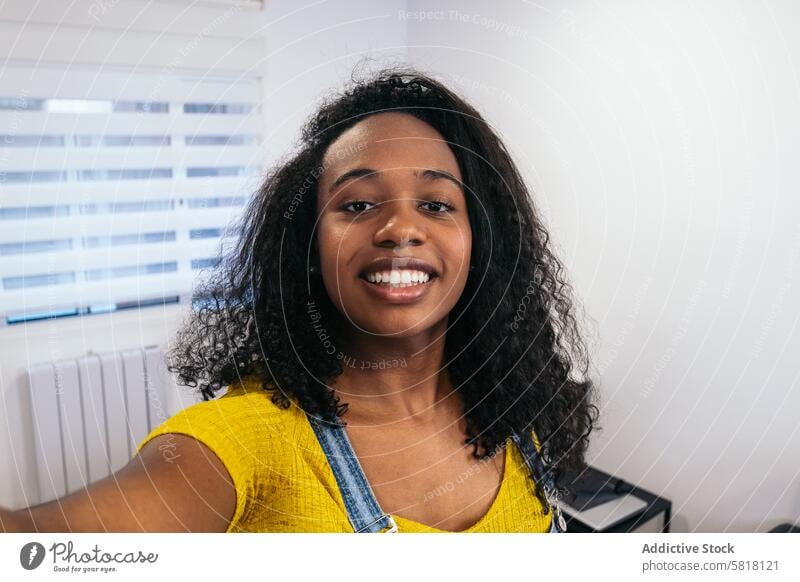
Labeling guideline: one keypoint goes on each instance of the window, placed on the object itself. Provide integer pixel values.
(116, 201)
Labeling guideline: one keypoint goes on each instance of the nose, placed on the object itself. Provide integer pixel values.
(402, 226)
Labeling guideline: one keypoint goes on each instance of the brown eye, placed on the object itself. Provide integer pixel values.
(356, 203)
(440, 206)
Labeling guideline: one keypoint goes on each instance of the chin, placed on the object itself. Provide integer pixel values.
(397, 325)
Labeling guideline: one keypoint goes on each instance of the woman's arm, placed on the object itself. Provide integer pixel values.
(188, 489)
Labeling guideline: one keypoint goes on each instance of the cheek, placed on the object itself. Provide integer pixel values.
(335, 245)
(328, 239)
(461, 250)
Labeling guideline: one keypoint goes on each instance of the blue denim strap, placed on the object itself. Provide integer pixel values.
(363, 510)
(541, 474)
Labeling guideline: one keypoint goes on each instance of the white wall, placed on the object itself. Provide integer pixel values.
(300, 49)
(660, 139)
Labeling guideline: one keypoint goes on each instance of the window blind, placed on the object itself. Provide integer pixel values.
(117, 188)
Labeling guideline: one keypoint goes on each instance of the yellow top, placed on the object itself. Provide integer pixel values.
(283, 480)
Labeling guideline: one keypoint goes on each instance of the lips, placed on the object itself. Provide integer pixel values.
(398, 295)
(397, 264)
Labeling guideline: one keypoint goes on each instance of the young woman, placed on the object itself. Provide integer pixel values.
(396, 340)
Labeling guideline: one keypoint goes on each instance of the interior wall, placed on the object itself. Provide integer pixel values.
(659, 139)
(301, 50)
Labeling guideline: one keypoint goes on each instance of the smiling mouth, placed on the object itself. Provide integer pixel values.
(398, 279)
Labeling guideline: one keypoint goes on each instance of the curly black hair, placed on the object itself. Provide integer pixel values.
(513, 349)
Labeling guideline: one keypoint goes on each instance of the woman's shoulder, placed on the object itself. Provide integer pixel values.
(249, 391)
(245, 414)
(247, 397)
(245, 429)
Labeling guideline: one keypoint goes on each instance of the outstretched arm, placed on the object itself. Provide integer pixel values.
(187, 490)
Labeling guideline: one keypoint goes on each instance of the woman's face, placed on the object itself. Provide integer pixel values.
(390, 194)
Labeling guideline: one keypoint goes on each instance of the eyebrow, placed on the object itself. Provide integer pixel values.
(370, 173)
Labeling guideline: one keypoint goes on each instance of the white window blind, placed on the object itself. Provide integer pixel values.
(116, 188)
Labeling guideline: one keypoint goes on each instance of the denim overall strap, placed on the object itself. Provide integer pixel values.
(363, 510)
(541, 474)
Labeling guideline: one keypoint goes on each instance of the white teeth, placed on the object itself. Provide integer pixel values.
(401, 278)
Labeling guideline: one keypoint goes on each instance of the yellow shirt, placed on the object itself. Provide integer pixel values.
(283, 480)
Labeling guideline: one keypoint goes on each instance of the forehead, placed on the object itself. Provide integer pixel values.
(388, 141)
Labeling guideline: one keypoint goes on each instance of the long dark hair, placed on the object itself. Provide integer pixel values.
(513, 350)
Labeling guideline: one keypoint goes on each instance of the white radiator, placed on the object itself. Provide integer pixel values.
(89, 415)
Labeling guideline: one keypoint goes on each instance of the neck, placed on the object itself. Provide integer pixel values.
(388, 379)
